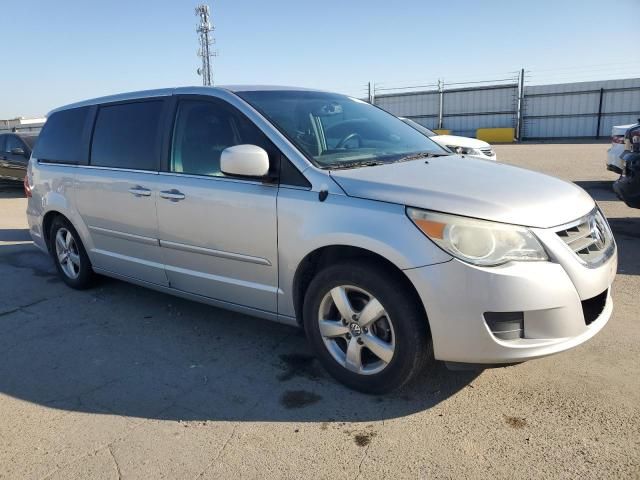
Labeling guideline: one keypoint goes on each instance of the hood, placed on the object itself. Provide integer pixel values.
(470, 187)
(456, 141)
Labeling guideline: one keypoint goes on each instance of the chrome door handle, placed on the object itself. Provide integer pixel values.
(139, 191)
(173, 195)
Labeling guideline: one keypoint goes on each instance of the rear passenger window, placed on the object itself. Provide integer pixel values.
(127, 136)
(62, 139)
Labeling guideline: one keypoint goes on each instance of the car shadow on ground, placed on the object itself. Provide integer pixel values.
(9, 189)
(125, 350)
(15, 235)
(600, 190)
(627, 234)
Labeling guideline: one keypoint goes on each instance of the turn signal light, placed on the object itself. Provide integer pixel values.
(27, 187)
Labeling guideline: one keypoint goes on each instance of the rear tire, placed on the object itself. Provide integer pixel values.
(69, 255)
(368, 355)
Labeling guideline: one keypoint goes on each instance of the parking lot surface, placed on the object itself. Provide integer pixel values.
(123, 382)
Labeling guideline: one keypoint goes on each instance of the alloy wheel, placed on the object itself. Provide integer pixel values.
(67, 253)
(356, 330)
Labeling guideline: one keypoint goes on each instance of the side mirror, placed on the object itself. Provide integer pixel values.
(18, 151)
(245, 161)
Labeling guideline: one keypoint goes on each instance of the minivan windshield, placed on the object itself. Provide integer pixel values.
(336, 131)
(421, 128)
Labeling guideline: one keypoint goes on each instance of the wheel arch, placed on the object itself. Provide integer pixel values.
(325, 256)
(47, 221)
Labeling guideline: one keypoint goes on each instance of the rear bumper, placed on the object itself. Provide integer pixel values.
(614, 162)
(35, 228)
(554, 315)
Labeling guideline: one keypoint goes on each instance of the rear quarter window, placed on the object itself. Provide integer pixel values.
(63, 138)
(127, 136)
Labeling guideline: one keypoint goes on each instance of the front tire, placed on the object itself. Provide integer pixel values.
(69, 255)
(366, 326)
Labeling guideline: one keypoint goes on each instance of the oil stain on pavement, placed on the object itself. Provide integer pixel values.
(298, 399)
(300, 365)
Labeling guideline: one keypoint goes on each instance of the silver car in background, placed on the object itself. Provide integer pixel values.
(615, 163)
(321, 211)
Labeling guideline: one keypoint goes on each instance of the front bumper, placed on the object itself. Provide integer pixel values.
(551, 298)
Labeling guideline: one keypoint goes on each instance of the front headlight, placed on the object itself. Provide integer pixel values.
(479, 242)
(465, 150)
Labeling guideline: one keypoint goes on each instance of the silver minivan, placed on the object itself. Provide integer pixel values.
(324, 212)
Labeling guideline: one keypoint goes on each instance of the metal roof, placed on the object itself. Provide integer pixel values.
(261, 88)
(162, 92)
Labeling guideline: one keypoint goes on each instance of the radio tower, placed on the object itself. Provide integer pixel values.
(205, 52)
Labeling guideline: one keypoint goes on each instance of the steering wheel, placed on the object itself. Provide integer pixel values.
(348, 137)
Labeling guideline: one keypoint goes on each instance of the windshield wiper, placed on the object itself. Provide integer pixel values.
(416, 156)
(358, 164)
(373, 163)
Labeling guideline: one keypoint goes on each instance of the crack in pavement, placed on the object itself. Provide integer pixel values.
(233, 432)
(115, 461)
(364, 456)
(226, 443)
(58, 468)
(55, 333)
(22, 307)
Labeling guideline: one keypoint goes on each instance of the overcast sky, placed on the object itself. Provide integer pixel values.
(57, 52)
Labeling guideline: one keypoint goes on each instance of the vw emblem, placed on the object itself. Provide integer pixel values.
(355, 329)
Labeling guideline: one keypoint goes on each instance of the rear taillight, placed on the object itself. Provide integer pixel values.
(27, 187)
(617, 139)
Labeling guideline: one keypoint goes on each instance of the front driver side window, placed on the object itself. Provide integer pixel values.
(203, 129)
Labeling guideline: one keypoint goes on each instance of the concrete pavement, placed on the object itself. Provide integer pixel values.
(124, 382)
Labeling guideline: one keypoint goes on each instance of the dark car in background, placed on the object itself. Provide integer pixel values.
(627, 187)
(15, 151)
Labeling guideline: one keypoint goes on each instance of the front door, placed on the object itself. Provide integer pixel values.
(218, 235)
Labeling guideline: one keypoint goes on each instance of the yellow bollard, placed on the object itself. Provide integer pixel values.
(496, 135)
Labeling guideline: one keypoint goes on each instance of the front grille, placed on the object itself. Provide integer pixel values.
(593, 307)
(590, 238)
(488, 152)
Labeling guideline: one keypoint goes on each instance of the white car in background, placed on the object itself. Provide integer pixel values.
(463, 145)
(614, 162)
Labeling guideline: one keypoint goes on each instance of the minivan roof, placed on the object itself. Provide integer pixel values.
(163, 92)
